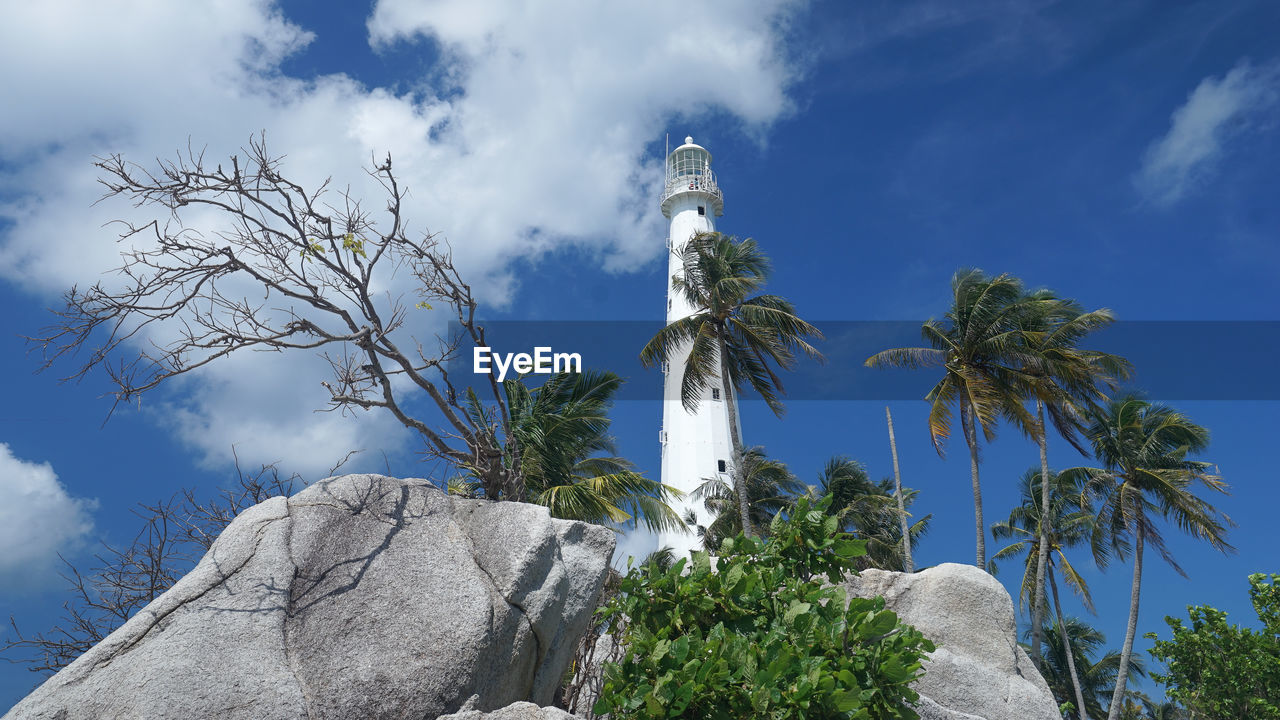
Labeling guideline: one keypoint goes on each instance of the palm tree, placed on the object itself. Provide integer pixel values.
(868, 511)
(1165, 710)
(979, 346)
(770, 489)
(1062, 379)
(905, 534)
(730, 335)
(661, 559)
(1138, 706)
(1067, 523)
(1096, 675)
(569, 461)
(1145, 474)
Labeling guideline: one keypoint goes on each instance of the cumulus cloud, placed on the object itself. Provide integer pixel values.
(1218, 110)
(634, 546)
(544, 145)
(38, 519)
(527, 136)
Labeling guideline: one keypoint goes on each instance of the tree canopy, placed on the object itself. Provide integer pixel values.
(1221, 670)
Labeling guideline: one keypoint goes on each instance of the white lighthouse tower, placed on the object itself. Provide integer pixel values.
(695, 445)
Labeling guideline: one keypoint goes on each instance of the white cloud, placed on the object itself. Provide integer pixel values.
(1216, 111)
(38, 519)
(529, 136)
(264, 406)
(634, 545)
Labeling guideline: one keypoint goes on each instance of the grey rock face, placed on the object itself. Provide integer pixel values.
(978, 671)
(362, 596)
(516, 711)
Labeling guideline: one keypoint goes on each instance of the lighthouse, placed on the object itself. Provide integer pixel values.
(695, 445)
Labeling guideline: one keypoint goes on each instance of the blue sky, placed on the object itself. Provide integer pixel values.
(1122, 153)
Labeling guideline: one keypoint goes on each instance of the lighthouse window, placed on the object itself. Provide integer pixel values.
(715, 393)
(702, 210)
(721, 465)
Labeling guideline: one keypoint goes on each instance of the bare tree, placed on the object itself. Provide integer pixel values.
(103, 598)
(175, 534)
(599, 645)
(203, 520)
(312, 259)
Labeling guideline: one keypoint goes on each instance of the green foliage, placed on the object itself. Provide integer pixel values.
(567, 457)
(1225, 671)
(1096, 666)
(771, 489)
(354, 245)
(756, 332)
(765, 635)
(1068, 524)
(313, 247)
(868, 510)
(981, 348)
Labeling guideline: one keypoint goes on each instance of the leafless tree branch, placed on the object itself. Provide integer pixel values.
(175, 534)
(312, 259)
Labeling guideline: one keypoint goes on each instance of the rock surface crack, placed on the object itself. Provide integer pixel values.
(289, 658)
(493, 584)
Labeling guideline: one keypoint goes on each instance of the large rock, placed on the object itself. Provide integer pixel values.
(978, 671)
(517, 711)
(361, 597)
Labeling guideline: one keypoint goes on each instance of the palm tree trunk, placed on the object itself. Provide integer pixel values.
(731, 405)
(1066, 645)
(1117, 698)
(971, 437)
(1037, 609)
(907, 565)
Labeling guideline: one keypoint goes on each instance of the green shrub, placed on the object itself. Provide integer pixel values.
(767, 635)
(1218, 670)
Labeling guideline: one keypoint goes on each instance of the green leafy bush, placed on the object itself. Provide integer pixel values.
(1224, 671)
(766, 635)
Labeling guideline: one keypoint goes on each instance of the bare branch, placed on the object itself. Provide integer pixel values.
(175, 534)
(286, 269)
